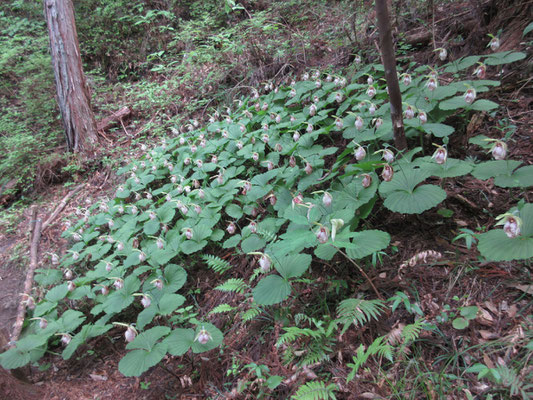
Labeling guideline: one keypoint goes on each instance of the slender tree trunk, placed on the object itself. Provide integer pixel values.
(73, 94)
(389, 62)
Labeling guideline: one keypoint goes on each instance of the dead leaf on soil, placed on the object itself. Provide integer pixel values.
(488, 335)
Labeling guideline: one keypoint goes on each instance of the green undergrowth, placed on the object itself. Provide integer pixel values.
(268, 181)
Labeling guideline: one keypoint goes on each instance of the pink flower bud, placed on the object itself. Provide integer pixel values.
(130, 334)
(338, 97)
(270, 165)
(296, 136)
(145, 301)
(118, 284)
(409, 112)
(511, 227)
(480, 71)
(71, 286)
(432, 84)
(188, 233)
(387, 173)
(388, 156)
(65, 339)
(422, 116)
(265, 138)
(360, 153)
(308, 168)
(322, 235)
(187, 161)
(440, 155)
(370, 80)
(104, 290)
(197, 209)
(443, 54)
(159, 243)
(253, 226)
(470, 96)
(297, 200)
(265, 263)
(254, 213)
(327, 199)
(339, 124)
(108, 266)
(494, 44)
(203, 337)
(371, 91)
(499, 150)
(372, 109)
(273, 199)
(68, 274)
(292, 161)
(367, 180)
(312, 110)
(359, 123)
(142, 256)
(231, 228)
(158, 283)
(407, 79)
(43, 323)
(309, 128)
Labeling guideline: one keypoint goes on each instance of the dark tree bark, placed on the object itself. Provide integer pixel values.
(389, 62)
(73, 94)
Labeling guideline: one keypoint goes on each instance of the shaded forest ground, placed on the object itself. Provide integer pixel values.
(497, 288)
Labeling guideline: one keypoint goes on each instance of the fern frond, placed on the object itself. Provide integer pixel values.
(217, 264)
(250, 314)
(358, 311)
(412, 331)
(233, 285)
(315, 391)
(222, 308)
(378, 347)
(267, 235)
(292, 333)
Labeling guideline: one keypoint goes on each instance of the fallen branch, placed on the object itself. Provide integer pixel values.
(108, 122)
(34, 253)
(60, 207)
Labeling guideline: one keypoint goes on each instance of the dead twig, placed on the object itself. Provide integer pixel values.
(60, 207)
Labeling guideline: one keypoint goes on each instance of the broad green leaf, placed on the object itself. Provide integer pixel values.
(415, 202)
(496, 246)
(169, 302)
(527, 29)
(138, 361)
(504, 57)
(490, 169)
(293, 265)
(367, 242)
(22, 354)
(152, 227)
(451, 168)
(325, 251)
(146, 316)
(484, 105)
(460, 323)
(175, 277)
(454, 103)
(234, 211)
(87, 331)
(252, 243)
(233, 241)
(522, 177)
(271, 290)
(191, 246)
(147, 340)
(461, 64)
(57, 293)
(48, 276)
(438, 130)
(179, 341)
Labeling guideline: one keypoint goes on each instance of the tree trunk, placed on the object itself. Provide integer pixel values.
(73, 94)
(389, 62)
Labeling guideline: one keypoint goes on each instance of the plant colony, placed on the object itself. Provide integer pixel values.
(264, 179)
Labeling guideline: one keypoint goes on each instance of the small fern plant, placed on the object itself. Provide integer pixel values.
(315, 391)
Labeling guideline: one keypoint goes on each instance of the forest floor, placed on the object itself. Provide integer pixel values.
(496, 288)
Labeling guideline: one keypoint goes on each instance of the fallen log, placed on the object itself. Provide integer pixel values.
(28, 282)
(60, 207)
(113, 119)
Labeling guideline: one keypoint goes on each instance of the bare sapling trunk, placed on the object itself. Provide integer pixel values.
(73, 93)
(389, 62)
